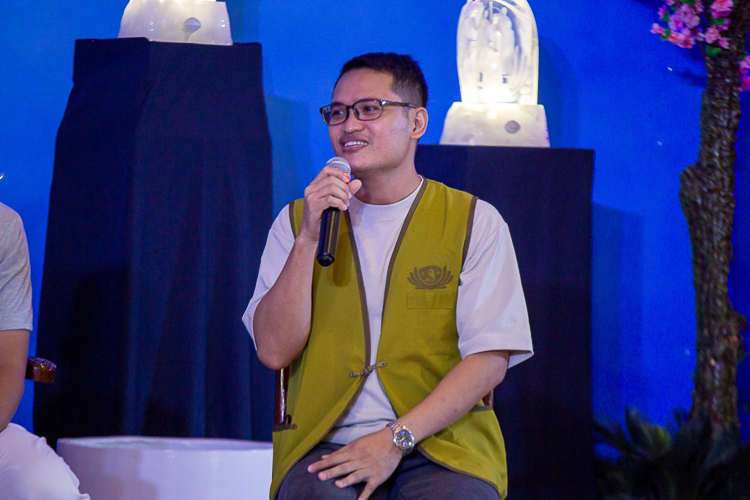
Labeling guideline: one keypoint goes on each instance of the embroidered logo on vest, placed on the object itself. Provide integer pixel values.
(430, 277)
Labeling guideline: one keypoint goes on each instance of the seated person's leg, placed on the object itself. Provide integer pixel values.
(31, 469)
(416, 478)
(300, 484)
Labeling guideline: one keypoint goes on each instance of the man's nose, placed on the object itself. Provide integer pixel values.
(352, 123)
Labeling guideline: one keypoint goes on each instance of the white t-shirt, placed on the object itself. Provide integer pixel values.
(490, 312)
(15, 283)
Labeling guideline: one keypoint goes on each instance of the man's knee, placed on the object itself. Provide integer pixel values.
(300, 484)
(308, 486)
(30, 469)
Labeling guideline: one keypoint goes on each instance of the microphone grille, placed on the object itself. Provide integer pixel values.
(340, 163)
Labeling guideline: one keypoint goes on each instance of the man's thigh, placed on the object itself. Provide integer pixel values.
(302, 485)
(419, 479)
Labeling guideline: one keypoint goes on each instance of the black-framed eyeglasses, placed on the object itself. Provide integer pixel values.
(365, 110)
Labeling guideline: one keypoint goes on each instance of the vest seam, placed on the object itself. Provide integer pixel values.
(291, 219)
(400, 240)
(360, 286)
(469, 229)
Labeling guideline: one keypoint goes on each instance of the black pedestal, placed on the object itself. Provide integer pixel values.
(544, 405)
(160, 203)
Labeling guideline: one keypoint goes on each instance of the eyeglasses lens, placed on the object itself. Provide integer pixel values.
(368, 109)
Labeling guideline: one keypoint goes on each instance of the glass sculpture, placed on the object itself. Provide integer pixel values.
(498, 71)
(183, 21)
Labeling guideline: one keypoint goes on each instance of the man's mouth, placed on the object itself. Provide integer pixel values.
(354, 144)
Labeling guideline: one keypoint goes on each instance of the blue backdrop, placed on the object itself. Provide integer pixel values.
(607, 84)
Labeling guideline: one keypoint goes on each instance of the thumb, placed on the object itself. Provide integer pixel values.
(354, 186)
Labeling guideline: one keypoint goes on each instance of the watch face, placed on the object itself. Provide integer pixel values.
(403, 439)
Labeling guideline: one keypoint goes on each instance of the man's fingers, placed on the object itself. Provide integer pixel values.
(326, 461)
(357, 476)
(331, 172)
(340, 470)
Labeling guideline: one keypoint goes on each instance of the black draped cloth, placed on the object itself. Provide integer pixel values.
(544, 404)
(160, 203)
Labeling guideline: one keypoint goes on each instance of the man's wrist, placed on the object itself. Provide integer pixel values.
(403, 439)
(305, 244)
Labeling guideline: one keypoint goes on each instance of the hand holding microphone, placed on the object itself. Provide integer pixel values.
(325, 197)
(331, 220)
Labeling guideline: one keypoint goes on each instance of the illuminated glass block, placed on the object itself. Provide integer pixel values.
(498, 71)
(182, 21)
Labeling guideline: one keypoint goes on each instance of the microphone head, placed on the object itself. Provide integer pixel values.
(340, 163)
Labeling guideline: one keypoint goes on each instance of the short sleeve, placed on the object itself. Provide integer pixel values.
(16, 311)
(491, 309)
(278, 247)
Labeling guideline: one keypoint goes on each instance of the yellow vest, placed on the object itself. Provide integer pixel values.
(418, 342)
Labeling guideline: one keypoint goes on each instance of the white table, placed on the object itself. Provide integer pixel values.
(153, 468)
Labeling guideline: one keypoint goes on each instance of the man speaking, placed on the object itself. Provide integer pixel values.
(392, 347)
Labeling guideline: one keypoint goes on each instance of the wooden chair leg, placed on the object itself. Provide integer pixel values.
(280, 416)
(489, 399)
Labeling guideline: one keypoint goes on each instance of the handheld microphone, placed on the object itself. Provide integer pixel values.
(330, 221)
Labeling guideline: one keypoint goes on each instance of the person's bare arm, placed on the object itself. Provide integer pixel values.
(14, 349)
(281, 322)
(373, 458)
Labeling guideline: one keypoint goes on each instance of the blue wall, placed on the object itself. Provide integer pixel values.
(607, 84)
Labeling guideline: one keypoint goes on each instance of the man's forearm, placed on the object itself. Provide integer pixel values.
(468, 382)
(281, 322)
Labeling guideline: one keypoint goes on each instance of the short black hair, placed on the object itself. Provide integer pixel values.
(408, 79)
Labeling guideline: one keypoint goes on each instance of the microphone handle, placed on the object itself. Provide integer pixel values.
(329, 236)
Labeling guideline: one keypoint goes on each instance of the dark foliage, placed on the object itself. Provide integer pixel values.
(686, 461)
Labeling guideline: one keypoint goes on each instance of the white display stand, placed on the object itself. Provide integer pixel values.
(154, 468)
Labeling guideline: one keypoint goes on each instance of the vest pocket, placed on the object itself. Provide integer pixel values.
(431, 299)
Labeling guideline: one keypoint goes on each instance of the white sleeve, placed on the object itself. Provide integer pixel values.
(15, 276)
(278, 247)
(491, 308)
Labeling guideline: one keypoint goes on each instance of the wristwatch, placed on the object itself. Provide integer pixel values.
(402, 437)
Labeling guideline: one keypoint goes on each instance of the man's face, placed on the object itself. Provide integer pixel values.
(373, 146)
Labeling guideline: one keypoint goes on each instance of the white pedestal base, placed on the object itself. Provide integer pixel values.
(138, 468)
(496, 125)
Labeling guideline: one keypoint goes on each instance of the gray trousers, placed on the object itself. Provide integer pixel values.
(415, 478)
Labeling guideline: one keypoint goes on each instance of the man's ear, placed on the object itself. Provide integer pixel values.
(419, 123)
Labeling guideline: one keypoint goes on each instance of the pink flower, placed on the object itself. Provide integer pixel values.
(745, 64)
(725, 26)
(698, 6)
(712, 34)
(745, 83)
(670, 2)
(721, 8)
(662, 10)
(675, 23)
(688, 16)
(658, 30)
(681, 40)
(723, 43)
